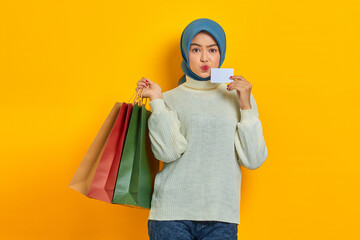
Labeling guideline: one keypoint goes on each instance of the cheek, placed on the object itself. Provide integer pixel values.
(217, 59)
(191, 56)
(192, 59)
(218, 56)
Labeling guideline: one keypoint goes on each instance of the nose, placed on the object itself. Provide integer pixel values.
(204, 57)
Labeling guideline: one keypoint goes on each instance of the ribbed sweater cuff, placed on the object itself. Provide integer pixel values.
(246, 115)
(157, 104)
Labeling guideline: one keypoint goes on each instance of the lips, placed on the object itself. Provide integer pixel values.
(205, 67)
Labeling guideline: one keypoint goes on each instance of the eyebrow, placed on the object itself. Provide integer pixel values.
(206, 46)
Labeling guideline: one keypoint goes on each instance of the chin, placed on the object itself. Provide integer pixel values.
(201, 73)
(204, 75)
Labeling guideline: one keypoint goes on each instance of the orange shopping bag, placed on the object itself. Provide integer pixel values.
(84, 175)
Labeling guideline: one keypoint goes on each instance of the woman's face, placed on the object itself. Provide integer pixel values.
(204, 54)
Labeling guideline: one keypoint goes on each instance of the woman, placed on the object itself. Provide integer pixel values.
(203, 132)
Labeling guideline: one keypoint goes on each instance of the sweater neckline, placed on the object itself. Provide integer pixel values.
(199, 85)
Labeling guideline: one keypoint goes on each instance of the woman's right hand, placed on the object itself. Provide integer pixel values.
(151, 90)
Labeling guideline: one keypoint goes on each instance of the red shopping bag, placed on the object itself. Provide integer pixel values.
(103, 183)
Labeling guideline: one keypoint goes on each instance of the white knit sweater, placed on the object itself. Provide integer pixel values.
(203, 137)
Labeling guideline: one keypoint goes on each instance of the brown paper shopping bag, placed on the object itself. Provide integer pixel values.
(84, 175)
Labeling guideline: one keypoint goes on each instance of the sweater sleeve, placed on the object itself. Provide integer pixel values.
(167, 142)
(249, 140)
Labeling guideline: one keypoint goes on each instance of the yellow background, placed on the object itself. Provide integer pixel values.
(64, 64)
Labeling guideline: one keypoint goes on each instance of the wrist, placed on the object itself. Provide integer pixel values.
(155, 97)
(248, 107)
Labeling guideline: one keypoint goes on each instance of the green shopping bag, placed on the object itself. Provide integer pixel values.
(138, 166)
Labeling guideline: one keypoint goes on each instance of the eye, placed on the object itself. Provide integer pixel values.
(213, 50)
(194, 50)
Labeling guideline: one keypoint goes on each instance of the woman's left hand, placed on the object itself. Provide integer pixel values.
(243, 90)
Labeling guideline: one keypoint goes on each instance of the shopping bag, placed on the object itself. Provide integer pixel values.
(103, 183)
(84, 174)
(138, 166)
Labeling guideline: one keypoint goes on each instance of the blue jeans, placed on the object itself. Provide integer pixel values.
(191, 230)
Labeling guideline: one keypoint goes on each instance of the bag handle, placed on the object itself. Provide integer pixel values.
(138, 100)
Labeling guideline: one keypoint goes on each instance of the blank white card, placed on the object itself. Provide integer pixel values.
(221, 75)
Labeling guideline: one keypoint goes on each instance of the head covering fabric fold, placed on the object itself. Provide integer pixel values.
(196, 26)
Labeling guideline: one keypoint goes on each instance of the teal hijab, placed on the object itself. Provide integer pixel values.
(196, 26)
